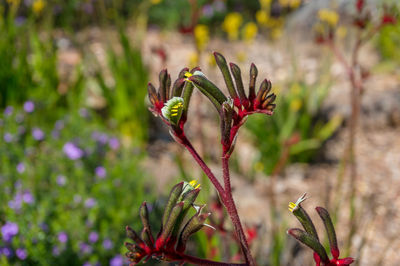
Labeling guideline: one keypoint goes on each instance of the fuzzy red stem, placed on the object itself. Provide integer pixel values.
(186, 143)
(233, 214)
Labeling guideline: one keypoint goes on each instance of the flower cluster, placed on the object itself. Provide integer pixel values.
(172, 105)
(310, 238)
(175, 231)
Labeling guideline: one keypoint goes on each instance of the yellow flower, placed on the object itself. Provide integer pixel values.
(265, 3)
(38, 6)
(194, 184)
(193, 59)
(341, 32)
(276, 33)
(231, 25)
(202, 36)
(328, 16)
(290, 3)
(211, 60)
(250, 31)
(155, 2)
(295, 206)
(262, 17)
(295, 105)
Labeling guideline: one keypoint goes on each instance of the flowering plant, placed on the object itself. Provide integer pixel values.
(171, 105)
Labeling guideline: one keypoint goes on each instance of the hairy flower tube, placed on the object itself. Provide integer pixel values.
(310, 238)
(176, 228)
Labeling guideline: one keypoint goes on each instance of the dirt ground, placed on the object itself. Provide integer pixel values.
(377, 145)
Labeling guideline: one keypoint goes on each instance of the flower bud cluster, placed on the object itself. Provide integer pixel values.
(309, 236)
(175, 231)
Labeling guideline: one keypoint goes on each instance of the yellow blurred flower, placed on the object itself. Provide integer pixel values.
(241, 56)
(295, 105)
(265, 3)
(202, 36)
(262, 17)
(155, 2)
(250, 31)
(341, 32)
(290, 3)
(231, 25)
(193, 59)
(211, 60)
(328, 16)
(38, 6)
(276, 33)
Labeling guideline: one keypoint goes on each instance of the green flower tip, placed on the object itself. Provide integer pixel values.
(172, 110)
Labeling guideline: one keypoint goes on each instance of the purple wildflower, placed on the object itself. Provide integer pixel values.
(56, 251)
(117, 261)
(21, 168)
(107, 244)
(87, 264)
(44, 227)
(59, 125)
(37, 134)
(9, 230)
(219, 6)
(113, 143)
(83, 112)
(6, 251)
(27, 197)
(208, 11)
(21, 253)
(29, 106)
(72, 151)
(93, 237)
(8, 111)
(16, 203)
(100, 172)
(62, 237)
(85, 248)
(61, 180)
(90, 202)
(8, 137)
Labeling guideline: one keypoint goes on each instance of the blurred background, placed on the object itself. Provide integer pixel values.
(79, 151)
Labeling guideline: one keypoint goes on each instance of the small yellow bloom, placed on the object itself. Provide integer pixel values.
(155, 2)
(265, 3)
(231, 25)
(262, 17)
(341, 32)
(202, 36)
(194, 184)
(38, 6)
(193, 59)
(328, 16)
(295, 206)
(211, 61)
(295, 105)
(250, 31)
(276, 33)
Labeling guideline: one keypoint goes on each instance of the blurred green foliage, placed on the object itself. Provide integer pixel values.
(388, 42)
(296, 128)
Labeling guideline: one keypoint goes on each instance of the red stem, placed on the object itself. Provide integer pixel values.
(186, 143)
(232, 211)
